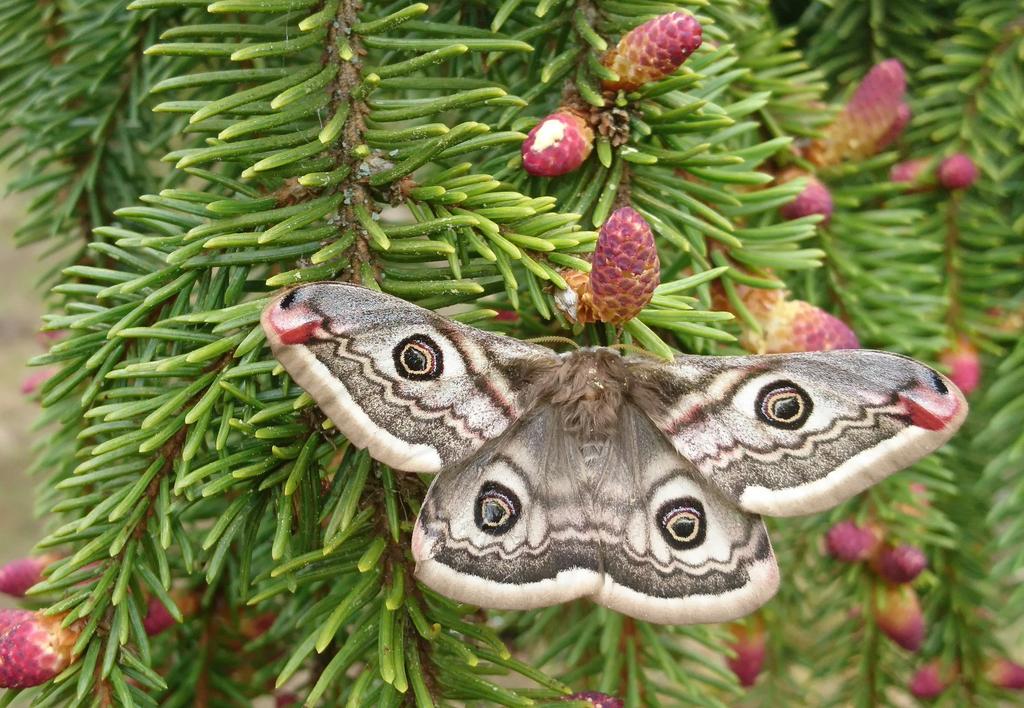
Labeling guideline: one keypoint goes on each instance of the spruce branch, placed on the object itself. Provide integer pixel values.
(294, 141)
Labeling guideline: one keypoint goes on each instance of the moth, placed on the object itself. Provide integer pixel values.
(636, 482)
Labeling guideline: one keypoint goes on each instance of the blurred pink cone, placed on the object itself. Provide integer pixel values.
(48, 337)
(158, 618)
(901, 564)
(815, 199)
(749, 642)
(895, 129)
(19, 575)
(914, 172)
(850, 543)
(898, 614)
(792, 326)
(957, 172)
(1006, 674)
(964, 365)
(928, 681)
(31, 383)
(868, 119)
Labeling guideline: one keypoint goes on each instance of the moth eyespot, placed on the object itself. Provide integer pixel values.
(783, 404)
(682, 522)
(497, 509)
(418, 358)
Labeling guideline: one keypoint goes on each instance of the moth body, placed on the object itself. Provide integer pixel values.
(588, 387)
(635, 482)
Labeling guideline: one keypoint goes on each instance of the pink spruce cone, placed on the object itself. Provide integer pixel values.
(598, 700)
(815, 199)
(159, 619)
(624, 273)
(964, 365)
(957, 172)
(652, 51)
(901, 564)
(557, 145)
(866, 120)
(895, 129)
(749, 642)
(792, 326)
(928, 681)
(850, 543)
(31, 383)
(898, 614)
(9, 618)
(46, 337)
(33, 649)
(19, 575)
(1006, 674)
(914, 172)
(625, 270)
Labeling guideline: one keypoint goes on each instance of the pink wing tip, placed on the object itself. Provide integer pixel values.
(422, 547)
(936, 405)
(291, 322)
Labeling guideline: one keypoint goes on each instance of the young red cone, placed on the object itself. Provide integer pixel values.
(34, 649)
(159, 619)
(964, 365)
(792, 326)
(598, 700)
(557, 145)
(625, 270)
(46, 338)
(31, 383)
(868, 119)
(895, 129)
(11, 617)
(19, 575)
(901, 564)
(916, 172)
(624, 273)
(1006, 674)
(929, 681)
(850, 543)
(898, 614)
(815, 199)
(957, 172)
(652, 51)
(749, 641)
